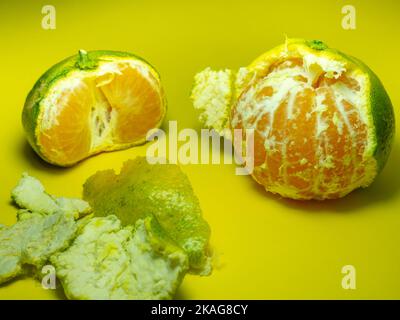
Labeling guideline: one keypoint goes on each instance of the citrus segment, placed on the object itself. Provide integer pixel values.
(137, 99)
(68, 136)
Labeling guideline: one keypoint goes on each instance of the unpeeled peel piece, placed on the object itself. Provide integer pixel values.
(161, 191)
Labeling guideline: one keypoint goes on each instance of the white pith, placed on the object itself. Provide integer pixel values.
(102, 118)
(212, 95)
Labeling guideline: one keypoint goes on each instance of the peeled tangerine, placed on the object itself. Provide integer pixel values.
(92, 102)
(323, 122)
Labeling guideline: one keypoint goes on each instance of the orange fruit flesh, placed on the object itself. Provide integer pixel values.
(311, 143)
(69, 138)
(102, 112)
(137, 101)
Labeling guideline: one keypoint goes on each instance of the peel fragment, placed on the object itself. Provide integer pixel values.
(31, 241)
(162, 192)
(46, 225)
(107, 261)
(212, 94)
(100, 257)
(30, 194)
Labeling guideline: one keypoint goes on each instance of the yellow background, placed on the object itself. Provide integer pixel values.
(268, 247)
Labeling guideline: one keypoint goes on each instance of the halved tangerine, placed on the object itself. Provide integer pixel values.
(92, 102)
